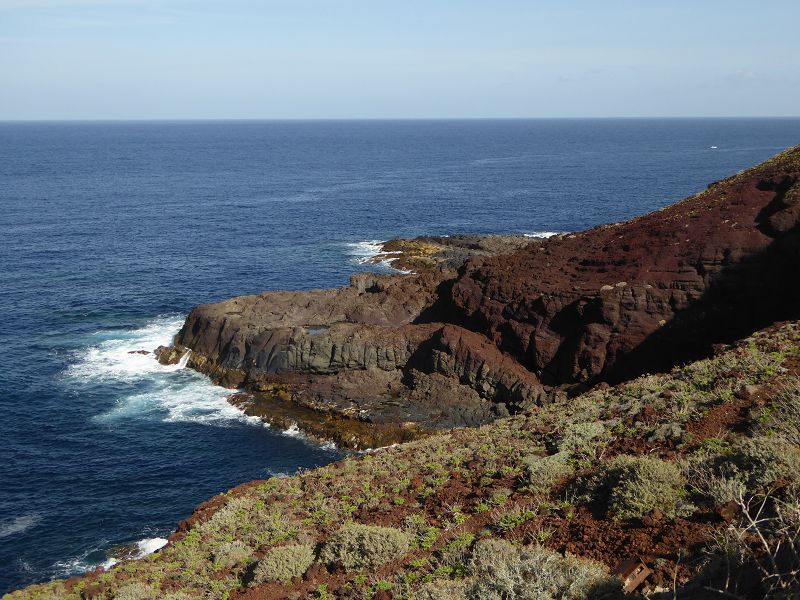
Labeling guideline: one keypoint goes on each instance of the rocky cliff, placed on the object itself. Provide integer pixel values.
(620, 299)
(521, 322)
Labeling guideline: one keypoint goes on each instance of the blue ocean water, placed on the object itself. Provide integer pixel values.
(110, 232)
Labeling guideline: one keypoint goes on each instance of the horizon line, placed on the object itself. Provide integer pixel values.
(364, 119)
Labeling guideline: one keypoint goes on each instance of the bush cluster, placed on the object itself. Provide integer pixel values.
(501, 570)
(230, 554)
(283, 563)
(357, 546)
(136, 591)
(635, 486)
(763, 460)
(581, 439)
(543, 472)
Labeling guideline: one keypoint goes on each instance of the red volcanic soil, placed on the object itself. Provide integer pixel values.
(710, 268)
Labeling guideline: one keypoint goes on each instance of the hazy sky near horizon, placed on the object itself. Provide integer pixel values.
(133, 59)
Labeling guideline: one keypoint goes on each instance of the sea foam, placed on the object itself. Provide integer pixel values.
(542, 235)
(365, 253)
(17, 525)
(171, 393)
(98, 557)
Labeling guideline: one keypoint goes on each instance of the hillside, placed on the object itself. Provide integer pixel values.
(656, 469)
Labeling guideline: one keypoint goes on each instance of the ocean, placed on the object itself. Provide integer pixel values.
(110, 232)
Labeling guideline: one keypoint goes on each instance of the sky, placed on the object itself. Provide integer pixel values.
(309, 59)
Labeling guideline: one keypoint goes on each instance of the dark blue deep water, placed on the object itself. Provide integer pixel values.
(110, 232)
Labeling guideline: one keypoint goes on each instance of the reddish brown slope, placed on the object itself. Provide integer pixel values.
(667, 284)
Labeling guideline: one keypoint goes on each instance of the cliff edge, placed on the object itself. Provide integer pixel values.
(492, 326)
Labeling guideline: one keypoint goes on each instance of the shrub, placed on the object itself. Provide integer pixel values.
(784, 417)
(357, 546)
(457, 550)
(283, 563)
(760, 553)
(638, 485)
(721, 484)
(504, 571)
(764, 460)
(136, 591)
(577, 437)
(441, 589)
(543, 472)
(230, 554)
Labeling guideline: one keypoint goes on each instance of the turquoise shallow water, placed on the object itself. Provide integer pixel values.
(110, 232)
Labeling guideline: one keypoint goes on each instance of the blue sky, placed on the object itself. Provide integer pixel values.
(121, 59)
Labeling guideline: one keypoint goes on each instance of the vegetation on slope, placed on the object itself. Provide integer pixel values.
(697, 472)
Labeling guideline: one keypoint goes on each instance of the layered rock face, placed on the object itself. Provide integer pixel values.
(617, 300)
(373, 352)
(518, 322)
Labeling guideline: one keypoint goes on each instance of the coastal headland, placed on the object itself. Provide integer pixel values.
(482, 327)
(594, 415)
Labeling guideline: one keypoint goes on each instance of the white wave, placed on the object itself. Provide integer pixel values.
(117, 355)
(293, 431)
(90, 560)
(171, 393)
(78, 565)
(15, 525)
(143, 548)
(150, 545)
(184, 359)
(542, 235)
(184, 396)
(364, 252)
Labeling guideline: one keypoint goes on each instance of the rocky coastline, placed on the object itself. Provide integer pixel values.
(585, 475)
(482, 327)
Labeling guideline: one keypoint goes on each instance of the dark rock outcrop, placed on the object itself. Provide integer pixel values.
(621, 299)
(375, 352)
(521, 320)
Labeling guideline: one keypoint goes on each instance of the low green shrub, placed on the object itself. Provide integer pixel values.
(501, 570)
(137, 591)
(749, 466)
(580, 439)
(634, 486)
(456, 551)
(784, 413)
(543, 472)
(357, 546)
(764, 460)
(442, 589)
(283, 563)
(230, 554)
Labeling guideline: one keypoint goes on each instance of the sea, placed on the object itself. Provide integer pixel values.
(111, 231)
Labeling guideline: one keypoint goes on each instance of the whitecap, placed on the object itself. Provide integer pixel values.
(117, 354)
(367, 251)
(292, 431)
(170, 393)
(364, 252)
(78, 565)
(143, 548)
(150, 545)
(178, 397)
(97, 557)
(542, 235)
(20, 524)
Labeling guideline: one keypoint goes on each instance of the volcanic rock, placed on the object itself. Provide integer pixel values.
(522, 321)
